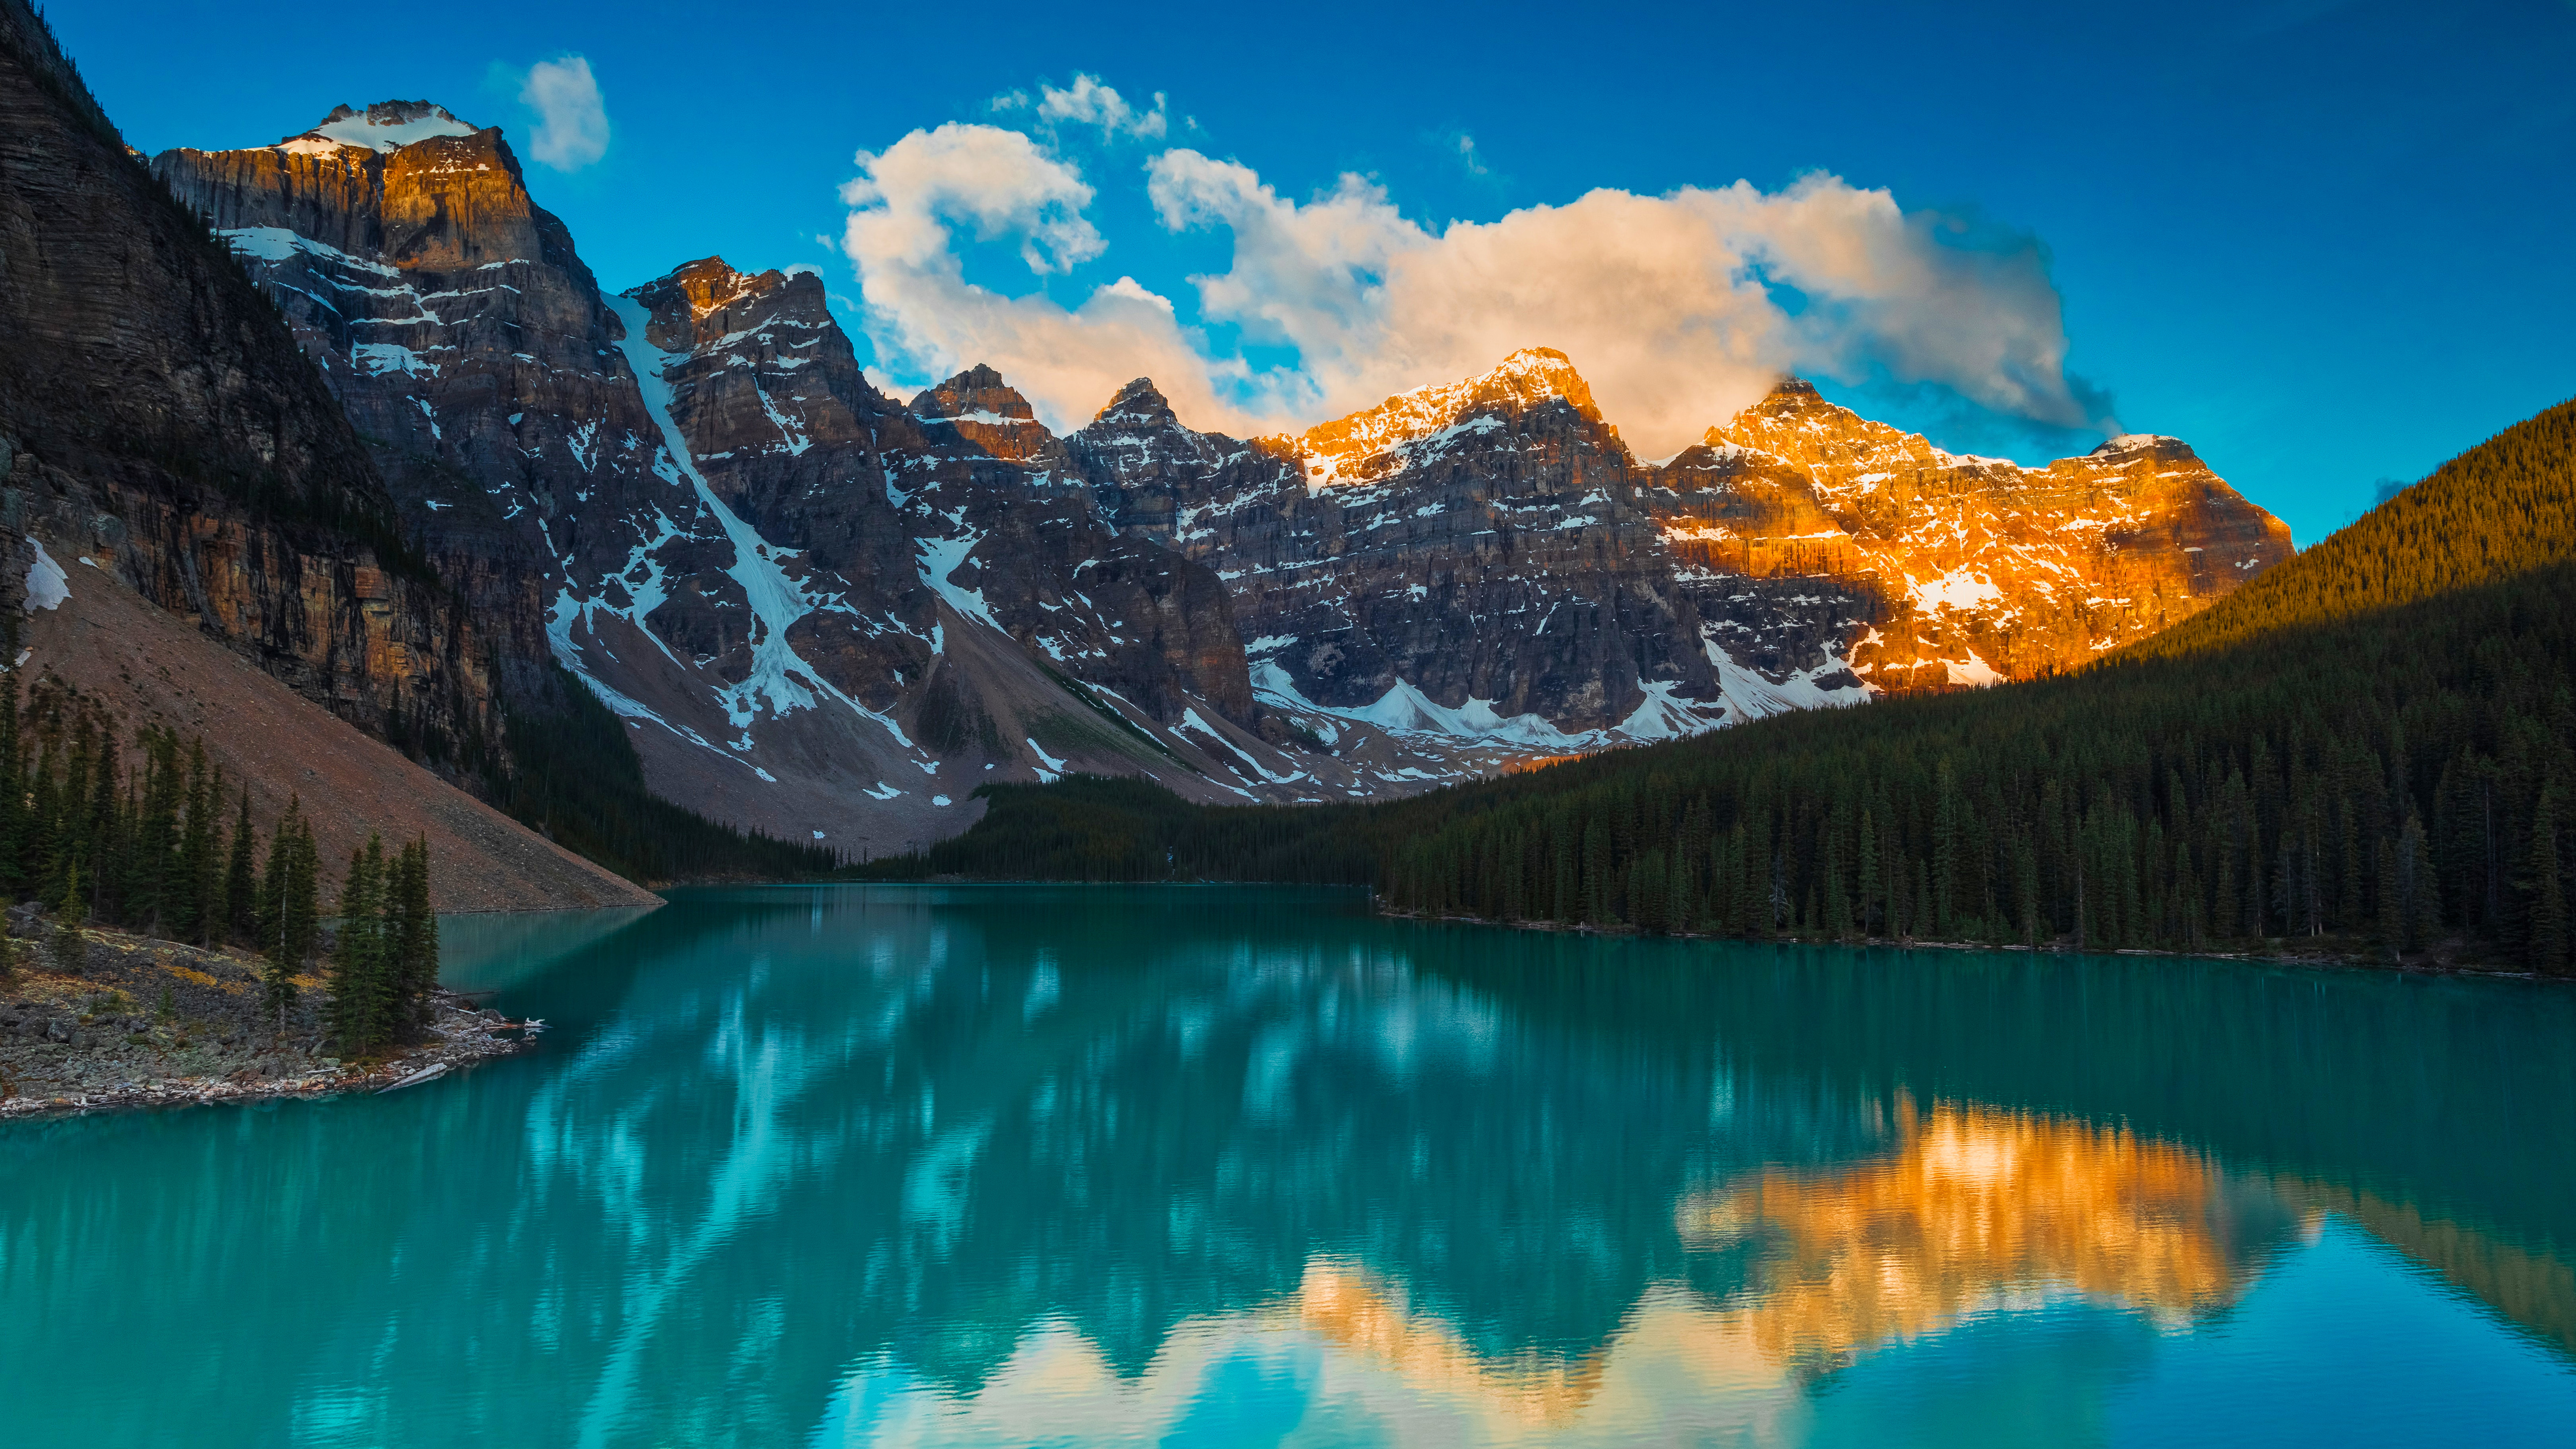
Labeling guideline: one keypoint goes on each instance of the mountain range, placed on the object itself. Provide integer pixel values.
(831, 614)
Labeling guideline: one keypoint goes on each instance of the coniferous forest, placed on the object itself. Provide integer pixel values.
(2370, 749)
(167, 848)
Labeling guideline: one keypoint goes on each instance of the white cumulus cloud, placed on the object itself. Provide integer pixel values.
(1091, 102)
(572, 120)
(1678, 309)
(927, 321)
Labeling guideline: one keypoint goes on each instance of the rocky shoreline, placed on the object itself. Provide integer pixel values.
(150, 1023)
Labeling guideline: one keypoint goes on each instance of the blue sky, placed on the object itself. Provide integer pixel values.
(2326, 244)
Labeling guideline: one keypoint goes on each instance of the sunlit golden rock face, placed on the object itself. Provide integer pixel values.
(1371, 445)
(1978, 1208)
(1980, 569)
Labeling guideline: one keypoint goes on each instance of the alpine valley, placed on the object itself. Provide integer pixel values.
(829, 615)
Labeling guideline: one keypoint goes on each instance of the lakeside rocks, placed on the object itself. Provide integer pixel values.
(149, 1023)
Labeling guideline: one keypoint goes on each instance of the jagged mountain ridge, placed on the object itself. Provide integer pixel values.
(691, 497)
(823, 609)
(1799, 556)
(1470, 559)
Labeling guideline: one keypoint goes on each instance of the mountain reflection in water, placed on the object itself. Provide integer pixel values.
(1979, 1209)
(873, 1165)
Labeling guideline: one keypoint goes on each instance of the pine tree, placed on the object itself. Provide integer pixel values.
(299, 898)
(277, 985)
(187, 852)
(74, 837)
(71, 945)
(1596, 871)
(2026, 889)
(2424, 899)
(415, 932)
(1867, 907)
(2392, 897)
(361, 984)
(268, 910)
(241, 880)
(156, 844)
(104, 829)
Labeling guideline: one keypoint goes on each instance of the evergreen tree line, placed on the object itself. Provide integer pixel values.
(148, 848)
(167, 848)
(2373, 745)
(2392, 781)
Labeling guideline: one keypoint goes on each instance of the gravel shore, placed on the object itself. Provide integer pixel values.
(149, 1023)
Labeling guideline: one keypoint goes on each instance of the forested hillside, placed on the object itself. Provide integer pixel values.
(2369, 749)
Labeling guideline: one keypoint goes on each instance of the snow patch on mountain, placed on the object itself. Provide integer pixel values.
(1752, 695)
(1957, 589)
(389, 127)
(47, 585)
(779, 677)
(941, 557)
(277, 244)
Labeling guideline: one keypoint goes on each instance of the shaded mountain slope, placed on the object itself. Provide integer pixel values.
(146, 669)
(2504, 508)
(155, 416)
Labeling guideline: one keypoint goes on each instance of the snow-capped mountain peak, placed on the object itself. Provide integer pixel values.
(384, 126)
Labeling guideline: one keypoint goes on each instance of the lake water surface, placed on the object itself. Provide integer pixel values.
(886, 1165)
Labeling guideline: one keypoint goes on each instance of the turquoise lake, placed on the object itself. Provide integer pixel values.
(961, 1165)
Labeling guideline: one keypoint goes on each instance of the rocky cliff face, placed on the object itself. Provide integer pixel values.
(155, 423)
(930, 569)
(1479, 560)
(1485, 560)
(462, 335)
